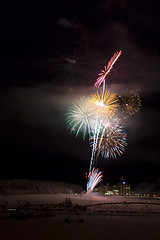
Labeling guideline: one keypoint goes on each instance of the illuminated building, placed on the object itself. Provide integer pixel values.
(124, 188)
(121, 188)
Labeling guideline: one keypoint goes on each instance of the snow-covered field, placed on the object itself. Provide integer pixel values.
(94, 226)
(81, 199)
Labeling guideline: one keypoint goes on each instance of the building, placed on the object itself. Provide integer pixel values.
(124, 188)
(121, 188)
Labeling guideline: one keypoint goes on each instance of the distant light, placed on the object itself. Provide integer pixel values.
(124, 182)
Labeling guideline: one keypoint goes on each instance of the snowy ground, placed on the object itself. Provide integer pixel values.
(93, 227)
(101, 227)
(81, 199)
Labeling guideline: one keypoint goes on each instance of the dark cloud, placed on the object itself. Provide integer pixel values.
(148, 187)
(63, 22)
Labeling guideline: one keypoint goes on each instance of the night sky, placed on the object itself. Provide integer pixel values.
(51, 54)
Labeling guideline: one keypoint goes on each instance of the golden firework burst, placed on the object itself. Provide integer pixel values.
(105, 105)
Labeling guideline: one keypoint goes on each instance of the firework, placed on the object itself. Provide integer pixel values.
(105, 107)
(97, 116)
(81, 117)
(129, 102)
(94, 177)
(96, 132)
(107, 69)
(112, 141)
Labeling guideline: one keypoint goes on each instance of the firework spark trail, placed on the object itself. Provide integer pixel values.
(95, 141)
(97, 84)
(97, 136)
(107, 69)
(103, 91)
(95, 176)
(93, 148)
(106, 105)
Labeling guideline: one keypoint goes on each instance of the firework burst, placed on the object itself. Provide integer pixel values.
(112, 141)
(80, 117)
(107, 69)
(105, 107)
(129, 102)
(94, 177)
